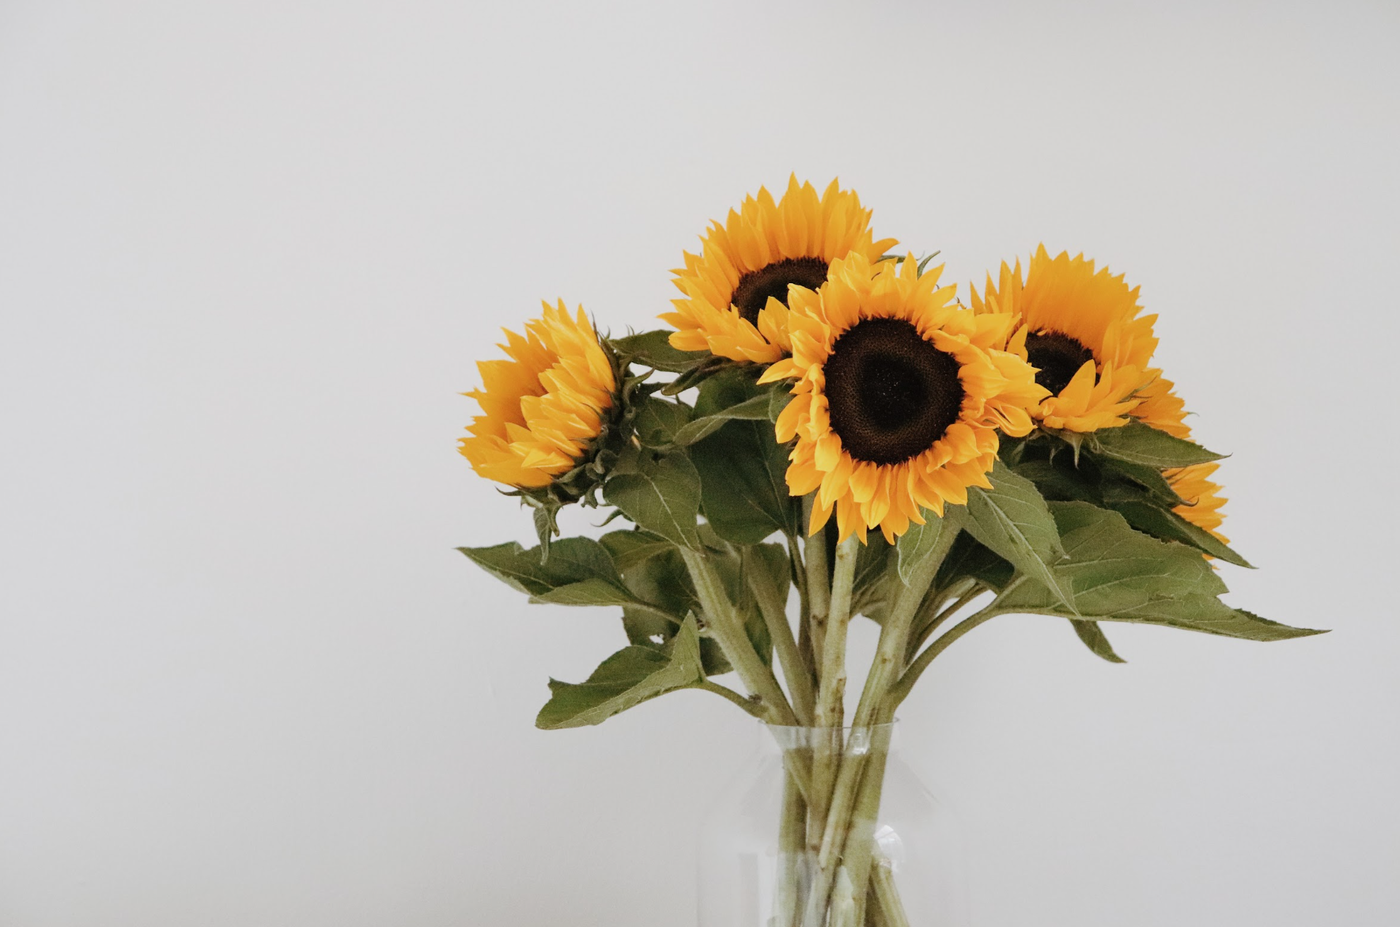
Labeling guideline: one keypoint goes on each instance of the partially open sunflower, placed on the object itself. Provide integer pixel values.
(543, 407)
(746, 265)
(1082, 331)
(898, 398)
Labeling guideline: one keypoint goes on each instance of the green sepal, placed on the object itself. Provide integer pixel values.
(633, 675)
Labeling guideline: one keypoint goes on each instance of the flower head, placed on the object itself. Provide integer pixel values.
(1082, 330)
(736, 289)
(542, 408)
(899, 396)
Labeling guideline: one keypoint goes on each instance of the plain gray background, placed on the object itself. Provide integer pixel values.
(249, 253)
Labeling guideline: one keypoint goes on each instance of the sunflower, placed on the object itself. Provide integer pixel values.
(898, 397)
(1082, 331)
(748, 263)
(543, 407)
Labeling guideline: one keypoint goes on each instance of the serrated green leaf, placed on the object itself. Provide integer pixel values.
(587, 592)
(1122, 480)
(1119, 574)
(627, 678)
(1093, 637)
(1169, 526)
(653, 349)
(1012, 520)
(660, 494)
(1142, 444)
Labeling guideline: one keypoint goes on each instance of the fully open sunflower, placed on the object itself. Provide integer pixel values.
(543, 407)
(736, 289)
(898, 398)
(1082, 331)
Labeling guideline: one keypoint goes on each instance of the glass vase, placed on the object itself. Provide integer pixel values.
(829, 827)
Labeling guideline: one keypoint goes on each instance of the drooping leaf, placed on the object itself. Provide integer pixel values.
(1093, 637)
(627, 678)
(660, 493)
(1124, 480)
(875, 579)
(1142, 444)
(1013, 521)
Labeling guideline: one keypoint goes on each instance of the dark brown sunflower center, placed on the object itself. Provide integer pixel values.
(891, 393)
(1058, 358)
(755, 287)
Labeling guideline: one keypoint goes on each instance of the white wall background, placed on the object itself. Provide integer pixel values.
(249, 252)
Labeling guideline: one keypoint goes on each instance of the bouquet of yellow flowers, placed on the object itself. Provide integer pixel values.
(825, 415)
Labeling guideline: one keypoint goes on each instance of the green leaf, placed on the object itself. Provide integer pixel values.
(571, 561)
(1013, 521)
(630, 547)
(1169, 526)
(743, 483)
(1093, 637)
(874, 581)
(627, 678)
(658, 421)
(1118, 574)
(1060, 480)
(970, 558)
(653, 349)
(918, 543)
(1142, 444)
(755, 409)
(660, 494)
(1123, 480)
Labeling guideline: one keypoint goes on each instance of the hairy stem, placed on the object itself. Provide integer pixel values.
(818, 592)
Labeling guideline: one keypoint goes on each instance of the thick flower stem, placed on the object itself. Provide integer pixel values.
(818, 590)
(771, 603)
(727, 627)
(830, 711)
(792, 848)
(889, 663)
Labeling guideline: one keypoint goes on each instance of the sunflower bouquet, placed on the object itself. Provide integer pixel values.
(825, 415)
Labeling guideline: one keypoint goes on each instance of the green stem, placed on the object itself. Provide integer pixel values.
(830, 713)
(967, 591)
(792, 846)
(747, 704)
(906, 682)
(774, 609)
(727, 627)
(887, 895)
(884, 671)
(818, 592)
